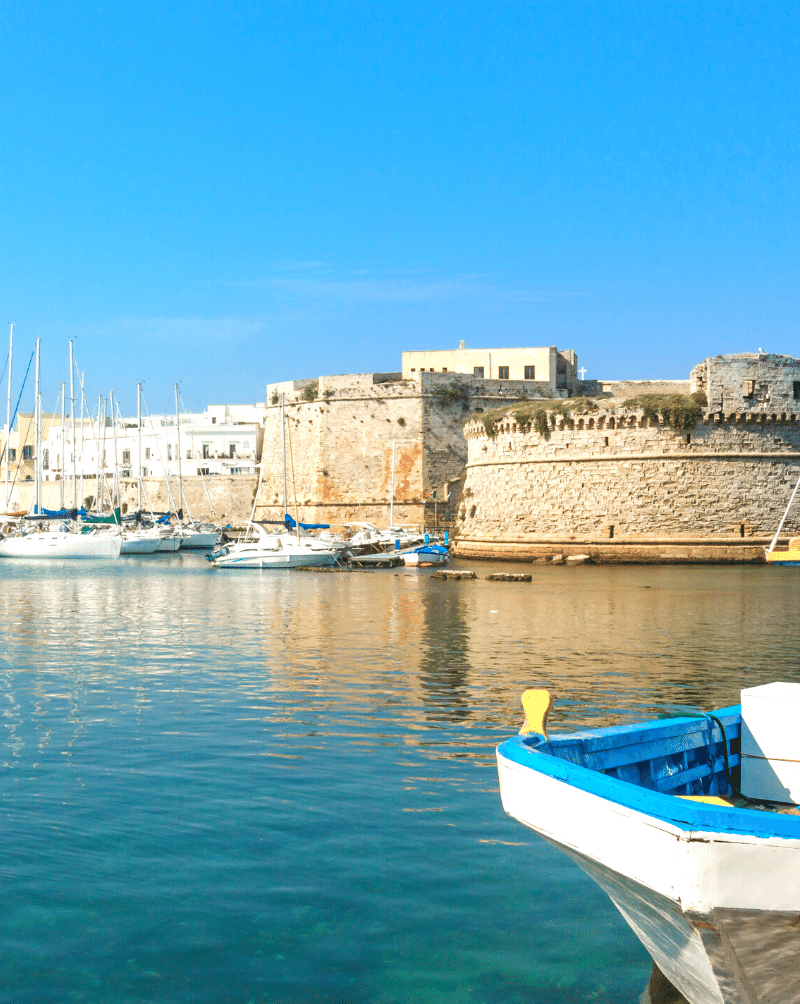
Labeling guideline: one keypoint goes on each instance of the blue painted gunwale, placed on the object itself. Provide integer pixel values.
(613, 748)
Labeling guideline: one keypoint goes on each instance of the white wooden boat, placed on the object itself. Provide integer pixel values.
(709, 882)
(284, 549)
(427, 554)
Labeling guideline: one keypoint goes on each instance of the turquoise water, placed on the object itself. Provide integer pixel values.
(280, 787)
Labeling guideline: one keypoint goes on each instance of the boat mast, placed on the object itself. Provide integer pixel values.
(98, 502)
(181, 499)
(780, 525)
(37, 464)
(63, 439)
(391, 500)
(72, 418)
(8, 406)
(83, 406)
(104, 450)
(283, 431)
(116, 465)
(139, 426)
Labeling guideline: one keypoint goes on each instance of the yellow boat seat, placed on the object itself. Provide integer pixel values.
(708, 800)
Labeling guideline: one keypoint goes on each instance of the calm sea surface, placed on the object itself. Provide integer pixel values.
(254, 787)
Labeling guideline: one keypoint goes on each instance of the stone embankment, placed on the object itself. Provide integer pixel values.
(617, 486)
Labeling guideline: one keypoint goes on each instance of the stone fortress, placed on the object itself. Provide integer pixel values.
(621, 483)
(344, 430)
(511, 451)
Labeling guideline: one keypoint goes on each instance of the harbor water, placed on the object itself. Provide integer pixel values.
(280, 787)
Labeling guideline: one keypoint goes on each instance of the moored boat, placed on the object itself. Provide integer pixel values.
(678, 822)
(283, 549)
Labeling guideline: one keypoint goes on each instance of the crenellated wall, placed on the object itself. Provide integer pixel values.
(619, 487)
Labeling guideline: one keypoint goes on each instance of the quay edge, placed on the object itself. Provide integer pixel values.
(641, 551)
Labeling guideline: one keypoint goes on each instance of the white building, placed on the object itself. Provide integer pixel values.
(224, 440)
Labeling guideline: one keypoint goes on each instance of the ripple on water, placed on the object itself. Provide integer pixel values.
(280, 787)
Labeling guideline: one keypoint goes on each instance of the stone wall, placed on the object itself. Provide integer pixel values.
(619, 487)
(340, 431)
(749, 381)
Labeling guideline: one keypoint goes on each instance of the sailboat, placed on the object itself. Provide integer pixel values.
(193, 534)
(286, 548)
(57, 539)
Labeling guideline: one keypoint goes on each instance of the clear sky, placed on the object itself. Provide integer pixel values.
(227, 194)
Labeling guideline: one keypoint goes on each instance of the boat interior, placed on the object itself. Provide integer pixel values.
(694, 757)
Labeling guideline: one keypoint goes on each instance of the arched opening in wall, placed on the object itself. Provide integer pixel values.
(590, 424)
(605, 440)
(472, 511)
(580, 425)
(611, 423)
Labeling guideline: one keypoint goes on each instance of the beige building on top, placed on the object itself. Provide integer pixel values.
(543, 365)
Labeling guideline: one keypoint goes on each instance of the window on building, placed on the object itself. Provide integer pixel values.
(530, 372)
(144, 472)
(413, 369)
(169, 451)
(232, 450)
(45, 459)
(214, 420)
(444, 369)
(126, 456)
(12, 455)
(27, 453)
(206, 450)
(202, 470)
(796, 387)
(147, 453)
(188, 454)
(748, 388)
(502, 372)
(478, 372)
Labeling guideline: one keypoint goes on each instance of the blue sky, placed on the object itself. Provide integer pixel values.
(231, 194)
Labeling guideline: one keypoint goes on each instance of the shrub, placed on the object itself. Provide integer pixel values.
(311, 391)
(680, 411)
(451, 393)
(275, 397)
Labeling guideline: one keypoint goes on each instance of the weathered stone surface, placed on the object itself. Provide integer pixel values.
(509, 577)
(557, 559)
(453, 574)
(617, 487)
(577, 559)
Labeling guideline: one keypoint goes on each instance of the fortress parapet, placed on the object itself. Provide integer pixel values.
(660, 479)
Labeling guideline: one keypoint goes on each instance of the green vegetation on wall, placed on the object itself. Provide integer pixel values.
(680, 411)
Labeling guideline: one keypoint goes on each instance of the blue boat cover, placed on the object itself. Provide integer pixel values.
(305, 526)
(56, 513)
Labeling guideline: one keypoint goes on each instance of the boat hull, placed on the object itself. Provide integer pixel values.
(168, 544)
(717, 911)
(193, 540)
(140, 545)
(54, 544)
(275, 560)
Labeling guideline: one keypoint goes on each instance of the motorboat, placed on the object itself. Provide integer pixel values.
(276, 549)
(691, 827)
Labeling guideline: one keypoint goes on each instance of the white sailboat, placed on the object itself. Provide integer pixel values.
(61, 540)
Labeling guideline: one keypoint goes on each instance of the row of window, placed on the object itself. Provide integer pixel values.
(502, 372)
